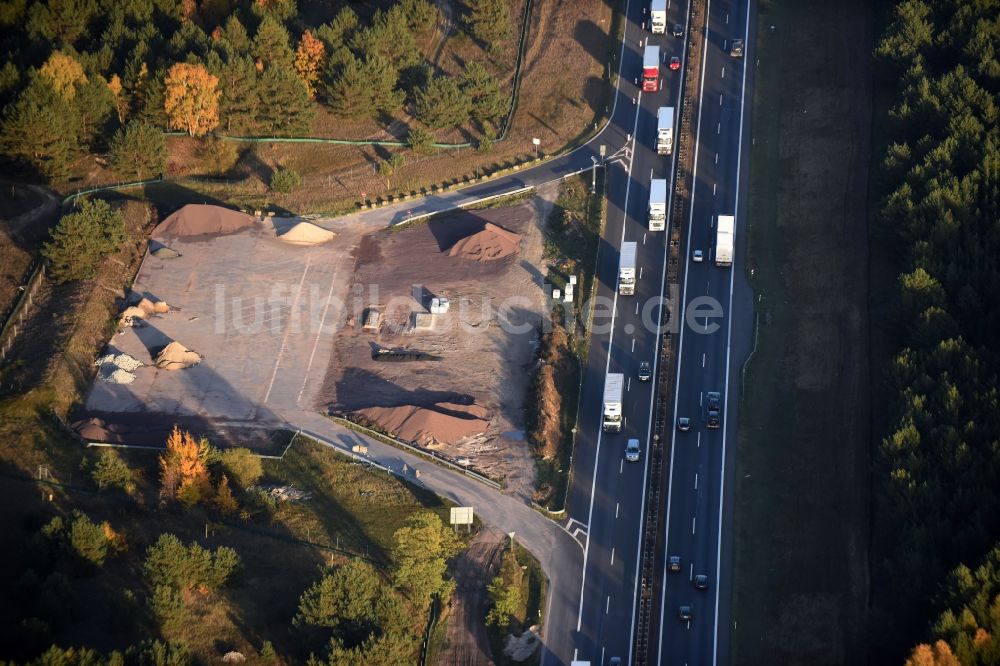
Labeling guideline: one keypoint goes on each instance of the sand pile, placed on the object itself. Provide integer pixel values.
(176, 356)
(429, 427)
(164, 252)
(142, 310)
(306, 233)
(490, 244)
(198, 220)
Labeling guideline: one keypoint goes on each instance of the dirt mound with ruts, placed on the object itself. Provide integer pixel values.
(444, 423)
(490, 244)
(202, 220)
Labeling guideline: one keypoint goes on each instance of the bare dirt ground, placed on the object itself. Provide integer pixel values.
(487, 339)
(466, 642)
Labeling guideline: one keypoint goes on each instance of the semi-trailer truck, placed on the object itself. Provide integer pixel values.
(651, 69)
(658, 17)
(657, 204)
(665, 130)
(614, 387)
(626, 269)
(724, 240)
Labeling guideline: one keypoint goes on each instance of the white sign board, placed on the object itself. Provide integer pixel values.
(461, 515)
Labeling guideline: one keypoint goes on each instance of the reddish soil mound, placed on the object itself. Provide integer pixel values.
(199, 220)
(428, 427)
(490, 244)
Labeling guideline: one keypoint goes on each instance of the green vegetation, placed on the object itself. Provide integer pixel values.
(489, 21)
(285, 180)
(243, 466)
(938, 466)
(138, 150)
(572, 236)
(82, 240)
(441, 103)
(172, 564)
(112, 472)
(516, 595)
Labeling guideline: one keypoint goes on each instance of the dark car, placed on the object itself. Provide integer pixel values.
(645, 372)
(683, 424)
(615, 661)
(713, 411)
(674, 563)
(701, 582)
(675, 63)
(714, 401)
(678, 30)
(685, 613)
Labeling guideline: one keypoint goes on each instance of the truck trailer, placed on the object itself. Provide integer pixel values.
(665, 130)
(657, 204)
(724, 240)
(614, 388)
(626, 269)
(651, 69)
(658, 17)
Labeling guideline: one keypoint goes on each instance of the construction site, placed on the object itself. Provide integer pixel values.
(427, 332)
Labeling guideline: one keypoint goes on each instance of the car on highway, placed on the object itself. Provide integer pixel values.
(713, 411)
(615, 661)
(678, 30)
(645, 372)
(674, 563)
(685, 613)
(701, 582)
(632, 450)
(683, 424)
(698, 256)
(675, 63)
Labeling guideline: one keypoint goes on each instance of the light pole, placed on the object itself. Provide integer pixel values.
(593, 175)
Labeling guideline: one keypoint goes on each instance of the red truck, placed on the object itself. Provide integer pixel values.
(651, 69)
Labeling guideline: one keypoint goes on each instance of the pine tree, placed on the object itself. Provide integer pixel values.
(442, 103)
(40, 129)
(224, 500)
(271, 44)
(138, 150)
(83, 239)
(286, 108)
(489, 22)
(489, 103)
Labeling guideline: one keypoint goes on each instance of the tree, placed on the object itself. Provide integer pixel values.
(184, 468)
(217, 154)
(64, 74)
(82, 240)
(422, 548)
(270, 44)
(489, 103)
(938, 655)
(280, 10)
(170, 563)
(489, 22)
(356, 88)
(89, 539)
(420, 14)
(386, 168)
(243, 465)
(309, 58)
(420, 140)
(121, 99)
(286, 107)
(442, 103)
(60, 22)
(112, 472)
(40, 129)
(337, 32)
(239, 110)
(224, 500)
(390, 37)
(347, 598)
(284, 180)
(138, 150)
(191, 99)
(505, 600)
(95, 103)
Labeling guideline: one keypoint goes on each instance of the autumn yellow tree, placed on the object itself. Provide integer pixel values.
(308, 60)
(184, 468)
(938, 655)
(121, 101)
(191, 99)
(224, 500)
(64, 73)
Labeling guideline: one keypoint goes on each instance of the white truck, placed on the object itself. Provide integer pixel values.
(658, 16)
(724, 240)
(614, 388)
(665, 130)
(626, 269)
(657, 204)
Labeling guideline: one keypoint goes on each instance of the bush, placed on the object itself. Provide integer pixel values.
(112, 472)
(169, 562)
(243, 466)
(167, 603)
(218, 155)
(89, 540)
(420, 140)
(284, 180)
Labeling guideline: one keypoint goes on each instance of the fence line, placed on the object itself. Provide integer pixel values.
(9, 330)
(113, 186)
